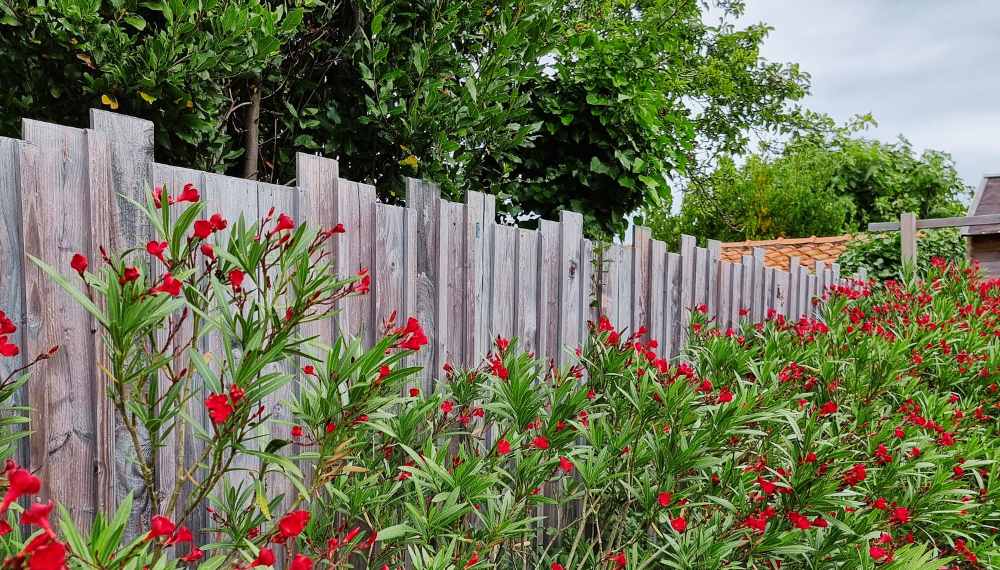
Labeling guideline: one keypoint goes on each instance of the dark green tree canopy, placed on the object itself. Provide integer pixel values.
(590, 105)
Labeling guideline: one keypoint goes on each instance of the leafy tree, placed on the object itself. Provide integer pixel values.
(825, 180)
(183, 65)
(593, 105)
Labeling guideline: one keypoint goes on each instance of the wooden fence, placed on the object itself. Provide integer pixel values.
(467, 278)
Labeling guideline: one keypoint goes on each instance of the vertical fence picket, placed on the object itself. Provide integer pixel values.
(570, 285)
(424, 199)
(55, 224)
(725, 294)
(793, 287)
(672, 305)
(714, 273)
(526, 305)
(657, 295)
(736, 297)
(757, 289)
(640, 277)
(687, 289)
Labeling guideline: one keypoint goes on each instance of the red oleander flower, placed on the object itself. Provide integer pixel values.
(195, 555)
(161, 198)
(188, 194)
(160, 526)
(208, 251)
(338, 229)
(129, 274)
(181, 536)
(45, 553)
(301, 562)
(309, 369)
(383, 372)
(557, 566)
(414, 392)
(20, 482)
(219, 408)
(37, 514)
(292, 524)
(877, 552)
(540, 442)
(203, 229)
(446, 407)
(285, 222)
(156, 249)
(725, 396)
(169, 285)
(7, 326)
(296, 431)
(264, 558)
(798, 521)
(618, 559)
(473, 560)
(855, 475)
(565, 464)
(828, 408)
(664, 498)
(899, 515)
(679, 524)
(756, 522)
(8, 349)
(236, 279)
(412, 336)
(78, 263)
(218, 222)
(364, 283)
(503, 447)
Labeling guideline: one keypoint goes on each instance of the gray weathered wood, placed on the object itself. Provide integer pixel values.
(757, 285)
(12, 269)
(688, 268)
(714, 248)
(735, 297)
(571, 288)
(908, 237)
(793, 287)
(725, 294)
(672, 283)
(526, 294)
(548, 268)
(55, 225)
(504, 295)
(640, 278)
(657, 294)
(937, 223)
(423, 198)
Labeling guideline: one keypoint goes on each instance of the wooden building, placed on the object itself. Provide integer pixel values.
(984, 241)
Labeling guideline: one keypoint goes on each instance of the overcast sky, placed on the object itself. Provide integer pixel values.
(927, 69)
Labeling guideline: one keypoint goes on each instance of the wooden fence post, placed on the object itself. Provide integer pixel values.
(908, 237)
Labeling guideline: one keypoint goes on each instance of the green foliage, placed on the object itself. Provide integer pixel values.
(825, 180)
(174, 62)
(592, 106)
(879, 254)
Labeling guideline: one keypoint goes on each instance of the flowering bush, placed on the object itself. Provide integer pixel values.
(865, 439)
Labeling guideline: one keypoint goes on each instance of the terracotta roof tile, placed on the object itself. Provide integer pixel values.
(778, 251)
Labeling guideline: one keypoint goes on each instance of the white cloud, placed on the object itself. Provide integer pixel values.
(926, 69)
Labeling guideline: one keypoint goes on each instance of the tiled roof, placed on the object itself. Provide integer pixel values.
(778, 251)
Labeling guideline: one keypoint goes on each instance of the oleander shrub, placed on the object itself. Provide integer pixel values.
(862, 439)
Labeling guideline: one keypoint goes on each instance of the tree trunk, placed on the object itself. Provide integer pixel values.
(252, 136)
